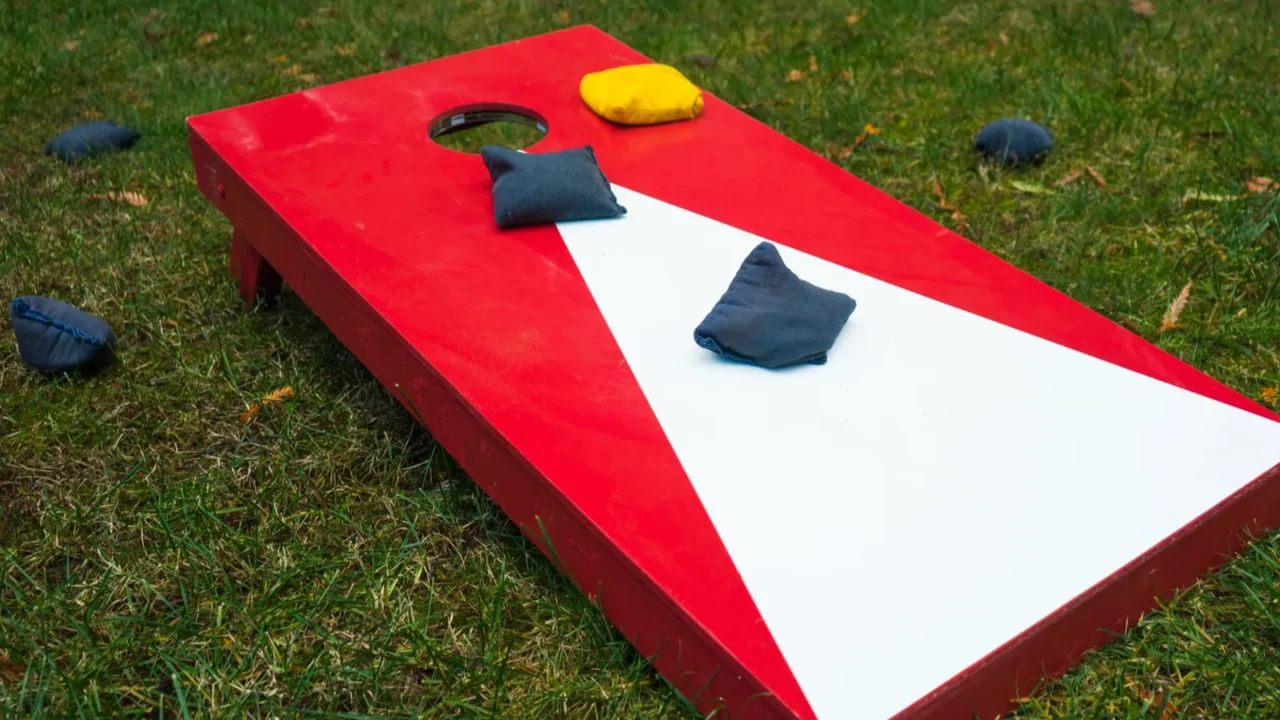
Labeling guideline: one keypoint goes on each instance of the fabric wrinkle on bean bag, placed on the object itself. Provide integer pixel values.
(56, 337)
(645, 94)
(772, 318)
(89, 139)
(539, 188)
(1014, 141)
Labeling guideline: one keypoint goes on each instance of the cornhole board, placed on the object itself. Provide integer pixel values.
(985, 480)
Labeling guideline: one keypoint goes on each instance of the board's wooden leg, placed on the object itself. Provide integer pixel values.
(259, 282)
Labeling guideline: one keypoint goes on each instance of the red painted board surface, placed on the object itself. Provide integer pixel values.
(781, 544)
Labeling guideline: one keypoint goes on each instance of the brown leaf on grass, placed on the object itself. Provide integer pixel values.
(345, 50)
(813, 63)
(1003, 38)
(855, 17)
(93, 114)
(1269, 395)
(304, 22)
(1069, 178)
(133, 198)
(1113, 248)
(960, 218)
(1097, 176)
(562, 16)
(1261, 184)
(1171, 315)
(845, 75)
(280, 59)
(275, 396)
(1142, 8)
(71, 44)
(206, 38)
(867, 130)
(10, 672)
(795, 76)
(942, 197)
(294, 69)
(1160, 701)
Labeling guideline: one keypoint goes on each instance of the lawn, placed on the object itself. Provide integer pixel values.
(162, 557)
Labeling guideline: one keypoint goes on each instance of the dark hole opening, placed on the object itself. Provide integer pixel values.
(467, 129)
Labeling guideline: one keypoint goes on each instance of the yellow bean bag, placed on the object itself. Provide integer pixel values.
(641, 94)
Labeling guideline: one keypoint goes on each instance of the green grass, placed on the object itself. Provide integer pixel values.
(157, 556)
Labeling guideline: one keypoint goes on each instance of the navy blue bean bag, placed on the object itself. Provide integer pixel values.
(89, 139)
(1014, 141)
(771, 318)
(536, 188)
(56, 337)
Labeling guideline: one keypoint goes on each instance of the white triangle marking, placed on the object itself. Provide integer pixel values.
(940, 485)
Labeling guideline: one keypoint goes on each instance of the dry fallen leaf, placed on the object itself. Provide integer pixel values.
(280, 59)
(813, 63)
(867, 130)
(1142, 7)
(1097, 176)
(345, 50)
(1113, 248)
(960, 218)
(1168, 711)
(1069, 178)
(562, 16)
(294, 69)
(309, 77)
(274, 396)
(1004, 38)
(10, 672)
(795, 76)
(93, 114)
(1269, 395)
(71, 44)
(133, 198)
(855, 17)
(942, 197)
(1171, 315)
(206, 38)
(304, 22)
(846, 75)
(1261, 184)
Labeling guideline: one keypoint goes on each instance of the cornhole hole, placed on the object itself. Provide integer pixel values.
(985, 479)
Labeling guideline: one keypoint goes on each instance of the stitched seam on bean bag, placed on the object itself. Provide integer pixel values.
(25, 311)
